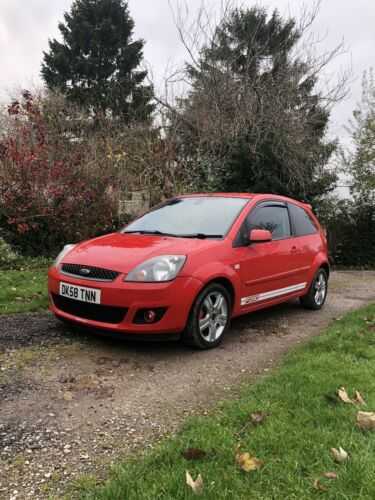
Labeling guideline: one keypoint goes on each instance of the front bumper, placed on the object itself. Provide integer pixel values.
(176, 296)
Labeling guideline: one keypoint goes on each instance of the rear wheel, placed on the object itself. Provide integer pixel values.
(317, 293)
(209, 318)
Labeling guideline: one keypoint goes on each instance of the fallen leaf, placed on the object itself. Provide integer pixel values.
(339, 455)
(193, 454)
(330, 475)
(68, 396)
(343, 395)
(247, 462)
(258, 417)
(319, 486)
(197, 485)
(87, 382)
(366, 420)
(359, 399)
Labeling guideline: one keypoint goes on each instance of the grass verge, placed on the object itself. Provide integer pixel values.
(305, 421)
(24, 289)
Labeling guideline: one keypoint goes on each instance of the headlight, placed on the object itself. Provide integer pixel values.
(159, 269)
(62, 254)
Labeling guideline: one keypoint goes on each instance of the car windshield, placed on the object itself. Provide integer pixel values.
(194, 217)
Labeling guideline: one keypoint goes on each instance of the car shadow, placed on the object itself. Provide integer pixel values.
(255, 322)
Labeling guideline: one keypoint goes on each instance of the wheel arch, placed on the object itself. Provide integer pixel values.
(325, 266)
(225, 275)
(226, 283)
(320, 262)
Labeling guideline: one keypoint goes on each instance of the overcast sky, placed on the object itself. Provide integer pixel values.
(26, 25)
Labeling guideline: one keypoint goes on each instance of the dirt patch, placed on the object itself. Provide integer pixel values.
(73, 403)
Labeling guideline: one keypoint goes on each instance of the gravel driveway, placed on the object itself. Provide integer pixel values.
(72, 403)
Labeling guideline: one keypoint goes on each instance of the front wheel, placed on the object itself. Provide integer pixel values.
(317, 293)
(209, 318)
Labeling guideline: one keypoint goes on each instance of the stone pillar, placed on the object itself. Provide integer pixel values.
(138, 204)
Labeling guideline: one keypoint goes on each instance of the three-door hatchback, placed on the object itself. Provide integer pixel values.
(192, 263)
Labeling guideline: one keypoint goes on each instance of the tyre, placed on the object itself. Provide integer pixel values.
(209, 318)
(317, 294)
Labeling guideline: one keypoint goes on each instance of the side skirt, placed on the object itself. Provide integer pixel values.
(260, 297)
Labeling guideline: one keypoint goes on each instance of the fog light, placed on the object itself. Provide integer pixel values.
(150, 316)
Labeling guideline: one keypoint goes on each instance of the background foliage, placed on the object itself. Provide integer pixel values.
(48, 196)
(254, 118)
(351, 223)
(63, 172)
(350, 228)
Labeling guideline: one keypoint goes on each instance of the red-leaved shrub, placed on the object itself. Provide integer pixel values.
(48, 196)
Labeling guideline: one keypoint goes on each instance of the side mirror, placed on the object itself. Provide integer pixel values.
(260, 236)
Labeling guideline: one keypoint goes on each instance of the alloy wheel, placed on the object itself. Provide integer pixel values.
(213, 316)
(320, 289)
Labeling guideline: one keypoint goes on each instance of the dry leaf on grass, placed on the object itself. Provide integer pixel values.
(258, 417)
(247, 462)
(339, 455)
(197, 485)
(330, 475)
(193, 454)
(343, 395)
(319, 486)
(359, 399)
(366, 420)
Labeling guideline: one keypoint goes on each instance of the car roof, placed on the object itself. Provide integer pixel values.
(249, 196)
(218, 195)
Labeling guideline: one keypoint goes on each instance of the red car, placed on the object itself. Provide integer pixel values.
(191, 264)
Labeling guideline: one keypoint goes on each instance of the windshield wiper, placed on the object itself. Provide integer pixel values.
(156, 233)
(201, 236)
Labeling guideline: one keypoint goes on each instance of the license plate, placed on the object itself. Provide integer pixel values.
(81, 293)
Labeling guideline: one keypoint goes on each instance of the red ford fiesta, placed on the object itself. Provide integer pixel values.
(191, 264)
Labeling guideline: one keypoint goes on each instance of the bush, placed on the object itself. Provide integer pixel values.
(63, 172)
(47, 195)
(350, 228)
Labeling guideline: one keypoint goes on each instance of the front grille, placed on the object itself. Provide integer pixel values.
(95, 312)
(89, 272)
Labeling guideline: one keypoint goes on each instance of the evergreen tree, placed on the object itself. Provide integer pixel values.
(362, 128)
(97, 63)
(253, 118)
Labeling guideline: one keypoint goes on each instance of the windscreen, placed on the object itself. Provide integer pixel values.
(195, 216)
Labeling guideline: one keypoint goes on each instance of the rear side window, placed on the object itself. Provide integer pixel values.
(275, 218)
(301, 220)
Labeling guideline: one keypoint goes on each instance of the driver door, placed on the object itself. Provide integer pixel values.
(269, 270)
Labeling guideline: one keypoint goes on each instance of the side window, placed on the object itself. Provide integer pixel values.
(275, 218)
(303, 225)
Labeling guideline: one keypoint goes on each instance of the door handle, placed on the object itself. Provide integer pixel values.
(294, 250)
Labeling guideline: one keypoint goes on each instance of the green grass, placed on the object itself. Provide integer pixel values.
(305, 421)
(24, 289)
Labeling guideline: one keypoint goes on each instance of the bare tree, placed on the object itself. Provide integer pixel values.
(251, 94)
